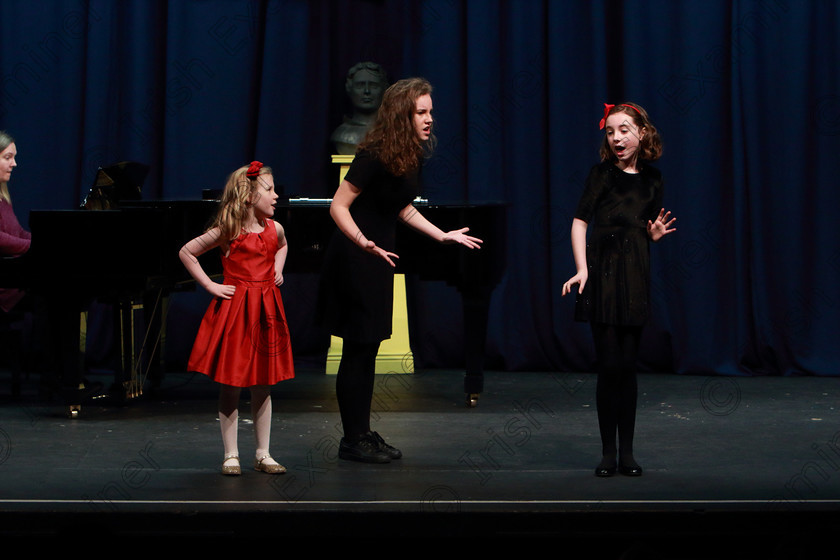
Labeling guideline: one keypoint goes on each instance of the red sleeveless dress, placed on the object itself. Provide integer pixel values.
(244, 341)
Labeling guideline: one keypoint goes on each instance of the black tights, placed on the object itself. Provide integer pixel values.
(617, 348)
(354, 386)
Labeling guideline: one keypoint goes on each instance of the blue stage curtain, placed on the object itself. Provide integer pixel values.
(745, 94)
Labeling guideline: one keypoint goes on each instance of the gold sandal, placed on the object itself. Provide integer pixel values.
(267, 468)
(231, 469)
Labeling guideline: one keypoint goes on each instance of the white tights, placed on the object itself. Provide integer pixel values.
(229, 419)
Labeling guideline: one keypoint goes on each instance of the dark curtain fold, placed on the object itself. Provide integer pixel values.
(744, 93)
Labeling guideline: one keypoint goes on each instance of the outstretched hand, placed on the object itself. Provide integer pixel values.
(662, 226)
(373, 249)
(460, 236)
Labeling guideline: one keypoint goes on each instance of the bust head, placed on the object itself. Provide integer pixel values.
(365, 85)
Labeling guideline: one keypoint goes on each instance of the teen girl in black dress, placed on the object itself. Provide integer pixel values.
(356, 293)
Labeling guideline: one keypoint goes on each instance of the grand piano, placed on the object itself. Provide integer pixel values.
(475, 273)
(126, 258)
(129, 254)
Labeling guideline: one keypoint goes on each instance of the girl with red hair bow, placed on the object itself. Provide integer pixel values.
(622, 199)
(243, 340)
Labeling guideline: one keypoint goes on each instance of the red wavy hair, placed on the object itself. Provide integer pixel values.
(392, 137)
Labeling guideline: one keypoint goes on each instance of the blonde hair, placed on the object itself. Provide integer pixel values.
(5, 141)
(236, 202)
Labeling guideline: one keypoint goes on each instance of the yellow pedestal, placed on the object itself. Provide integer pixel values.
(395, 353)
(344, 162)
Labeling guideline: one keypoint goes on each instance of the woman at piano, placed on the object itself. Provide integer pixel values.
(14, 240)
(356, 293)
(243, 340)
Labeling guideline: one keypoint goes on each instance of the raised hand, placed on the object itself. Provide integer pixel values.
(662, 226)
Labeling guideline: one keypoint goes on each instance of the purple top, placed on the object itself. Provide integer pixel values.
(14, 240)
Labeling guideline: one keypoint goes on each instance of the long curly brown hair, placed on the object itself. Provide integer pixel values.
(650, 147)
(236, 199)
(391, 137)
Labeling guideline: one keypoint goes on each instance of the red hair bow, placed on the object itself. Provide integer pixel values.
(254, 170)
(607, 108)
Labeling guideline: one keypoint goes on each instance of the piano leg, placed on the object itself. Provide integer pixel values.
(123, 317)
(67, 343)
(65, 335)
(155, 308)
(68, 358)
(476, 304)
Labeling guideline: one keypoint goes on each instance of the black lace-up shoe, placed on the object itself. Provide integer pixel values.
(389, 450)
(366, 450)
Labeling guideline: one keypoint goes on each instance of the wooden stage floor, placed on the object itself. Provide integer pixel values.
(751, 459)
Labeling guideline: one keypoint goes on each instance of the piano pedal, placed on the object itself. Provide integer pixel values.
(472, 400)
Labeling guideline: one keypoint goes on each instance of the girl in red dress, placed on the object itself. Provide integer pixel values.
(243, 340)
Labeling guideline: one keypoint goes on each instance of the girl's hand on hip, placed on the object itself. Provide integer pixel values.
(222, 291)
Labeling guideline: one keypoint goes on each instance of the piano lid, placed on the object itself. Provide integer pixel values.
(115, 183)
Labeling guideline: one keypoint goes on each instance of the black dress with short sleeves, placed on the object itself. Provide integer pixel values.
(617, 206)
(356, 292)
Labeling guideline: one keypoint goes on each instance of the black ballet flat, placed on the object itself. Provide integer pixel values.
(630, 470)
(604, 472)
(605, 469)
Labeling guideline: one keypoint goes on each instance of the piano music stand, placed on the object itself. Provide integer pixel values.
(115, 183)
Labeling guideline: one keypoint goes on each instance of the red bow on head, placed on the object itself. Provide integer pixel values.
(607, 108)
(254, 170)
